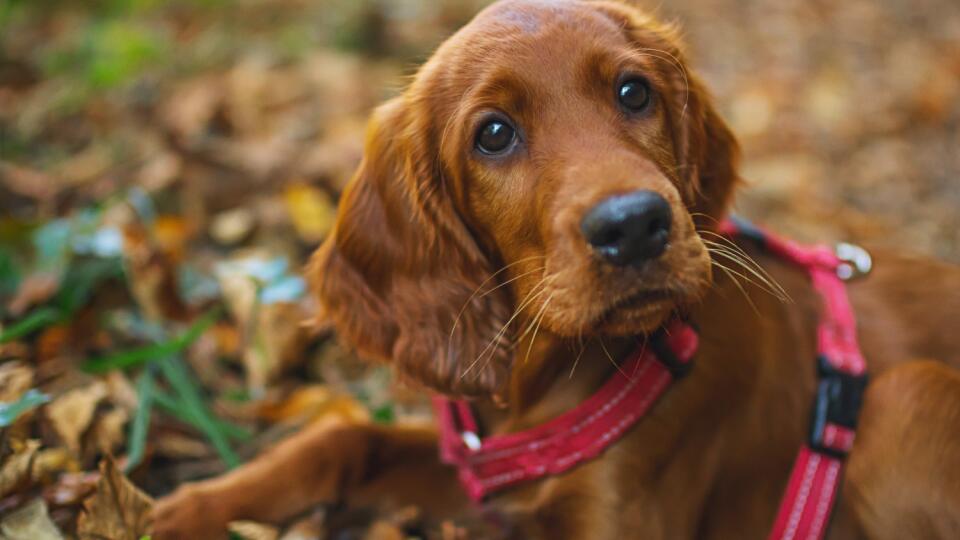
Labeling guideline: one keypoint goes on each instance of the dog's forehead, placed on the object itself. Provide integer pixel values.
(532, 17)
(529, 16)
(528, 36)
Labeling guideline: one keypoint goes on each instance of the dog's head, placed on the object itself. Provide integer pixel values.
(546, 167)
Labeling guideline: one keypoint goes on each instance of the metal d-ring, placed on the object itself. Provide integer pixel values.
(855, 261)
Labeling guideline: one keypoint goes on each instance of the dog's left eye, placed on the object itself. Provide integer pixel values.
(495, 137)
(634, 95)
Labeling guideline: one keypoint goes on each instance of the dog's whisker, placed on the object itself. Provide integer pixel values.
(643, 351)
(576, 361)
(511, 280)
(764, 283)
(747, 279)
(533, 339)
(531, 296)
(736, 282)
(612, 361)
(479, 287)
(750, 260)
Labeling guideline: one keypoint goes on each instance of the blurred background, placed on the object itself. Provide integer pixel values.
(167, 166)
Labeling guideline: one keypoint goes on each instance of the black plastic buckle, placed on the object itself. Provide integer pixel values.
(749, 231)
(660, 347)
(838, 401)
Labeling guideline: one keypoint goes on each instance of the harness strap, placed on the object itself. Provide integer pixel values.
(493, 463)
(841, 370)
(574, 437)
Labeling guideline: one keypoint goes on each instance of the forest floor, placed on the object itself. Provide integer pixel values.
(166, 168)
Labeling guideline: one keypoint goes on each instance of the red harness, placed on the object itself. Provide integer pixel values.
(582, 433)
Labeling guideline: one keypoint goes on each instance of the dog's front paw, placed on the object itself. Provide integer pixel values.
(189, 513)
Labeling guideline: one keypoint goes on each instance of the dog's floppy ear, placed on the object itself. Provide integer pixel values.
(708, 153)
(400, 275)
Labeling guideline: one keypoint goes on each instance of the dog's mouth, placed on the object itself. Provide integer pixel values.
(637, 306)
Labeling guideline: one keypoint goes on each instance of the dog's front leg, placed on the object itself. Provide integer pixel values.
(326, 462)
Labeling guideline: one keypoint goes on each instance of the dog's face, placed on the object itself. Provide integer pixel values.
(546, 168)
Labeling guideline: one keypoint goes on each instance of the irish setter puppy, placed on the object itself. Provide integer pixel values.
(464, 255)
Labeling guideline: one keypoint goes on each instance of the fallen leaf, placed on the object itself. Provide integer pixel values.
(308, 528)
(249, 530)
(152, 276)
(160, 172)
(17, 470)
(35, 289)
(32, 522)
(15, 379)
(50, 463)
(232, 226)
(383, 530)
(108, 430)
(174, 445)
(27, 182)
(278, 342)
(311, 210)
(313, 402)
(72, 413)
(117, 509)
(171, 234)
(71, 488)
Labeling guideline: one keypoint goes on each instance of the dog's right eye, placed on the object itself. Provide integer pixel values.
(495, 137)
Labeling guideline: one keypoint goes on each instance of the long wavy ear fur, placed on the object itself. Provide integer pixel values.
(401, 276)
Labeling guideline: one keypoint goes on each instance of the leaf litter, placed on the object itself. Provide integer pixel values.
(165, 171)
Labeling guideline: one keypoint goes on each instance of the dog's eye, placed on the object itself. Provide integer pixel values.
(634, 94)
(495, 137)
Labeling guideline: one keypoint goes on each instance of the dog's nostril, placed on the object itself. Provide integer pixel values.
(629, 229)
(608, 236)
(656, 226)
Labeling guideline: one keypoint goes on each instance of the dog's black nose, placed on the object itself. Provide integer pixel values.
(629, 229)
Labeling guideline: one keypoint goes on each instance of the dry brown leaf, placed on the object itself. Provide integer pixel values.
(278, 344)
(51, 462)
(71, 413)
(116, 510)
(35, 289)
(311, 210)
(308, 528)
(383, 530)
(32, 522)
(314, 402)
(71, 488)
(17, 470)
(108, 430)
(250, 530)
(152, 276)
(15, 379)
(120, 391)
(86, 165)
(172, 233)
(173, 445)
(160, 172)
(232, 227)
(192, 106)
(27, 182)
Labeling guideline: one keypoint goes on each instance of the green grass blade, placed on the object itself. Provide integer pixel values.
(189, 395)
(174, 408)
(36, 320)
(135, 357)
(137, 439)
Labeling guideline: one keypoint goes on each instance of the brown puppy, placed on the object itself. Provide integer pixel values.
(462, 256)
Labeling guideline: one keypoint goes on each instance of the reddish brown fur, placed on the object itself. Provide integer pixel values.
(427, 224)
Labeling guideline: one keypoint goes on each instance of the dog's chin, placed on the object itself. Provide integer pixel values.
(640, 314)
